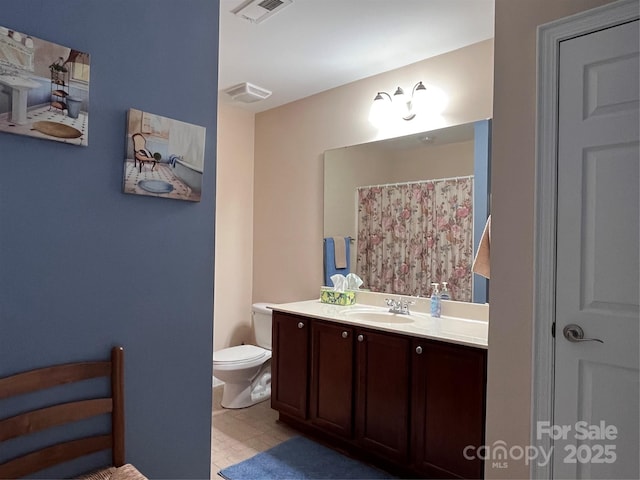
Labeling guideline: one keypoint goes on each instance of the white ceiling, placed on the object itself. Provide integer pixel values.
(313, 45)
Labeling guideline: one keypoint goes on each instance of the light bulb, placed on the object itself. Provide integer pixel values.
(420, 99)
(400, 103)
(380, 109)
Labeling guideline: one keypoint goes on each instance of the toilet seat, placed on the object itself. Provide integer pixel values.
(242, 356)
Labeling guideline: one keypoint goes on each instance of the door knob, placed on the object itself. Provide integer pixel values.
(575, 333)
(360, 338)
(418, 350)
(300, 324)
(345, 334)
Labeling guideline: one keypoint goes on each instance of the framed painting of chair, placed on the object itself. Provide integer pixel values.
(175, 152)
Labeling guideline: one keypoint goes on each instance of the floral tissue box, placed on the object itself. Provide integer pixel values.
(328, 295)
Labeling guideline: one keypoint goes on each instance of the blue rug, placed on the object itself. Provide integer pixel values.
(155, 186)
(300, 458)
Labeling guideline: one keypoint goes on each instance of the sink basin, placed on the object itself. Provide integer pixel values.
(381, 315)
(421, 322)
(15, 81)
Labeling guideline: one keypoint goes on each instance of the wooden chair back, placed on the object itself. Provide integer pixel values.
(139, 142)
(64, 413)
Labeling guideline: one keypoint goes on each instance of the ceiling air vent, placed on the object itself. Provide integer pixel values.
(247, 93)
(257, 11)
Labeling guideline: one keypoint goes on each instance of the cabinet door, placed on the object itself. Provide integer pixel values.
(448, 408)
(290, 364)
(331, 390)
(382, 394)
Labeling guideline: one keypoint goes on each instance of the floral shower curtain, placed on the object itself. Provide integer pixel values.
(413, 234)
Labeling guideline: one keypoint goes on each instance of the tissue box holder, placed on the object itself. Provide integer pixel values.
(327, 295)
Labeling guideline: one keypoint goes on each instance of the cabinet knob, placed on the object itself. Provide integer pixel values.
(418, 350)
(345, 334)
(360, 338)
(300, 324)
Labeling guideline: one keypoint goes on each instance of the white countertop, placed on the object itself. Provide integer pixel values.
(463, 331)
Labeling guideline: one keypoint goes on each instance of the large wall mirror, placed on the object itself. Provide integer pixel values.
(454, 153)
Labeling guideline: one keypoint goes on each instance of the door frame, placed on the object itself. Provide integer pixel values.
(549, 37)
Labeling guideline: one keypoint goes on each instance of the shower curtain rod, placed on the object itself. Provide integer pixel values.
(417, 181)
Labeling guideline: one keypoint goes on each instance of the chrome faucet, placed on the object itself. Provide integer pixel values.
(400, 305)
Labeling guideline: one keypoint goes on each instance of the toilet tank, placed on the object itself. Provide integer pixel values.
(262, 324)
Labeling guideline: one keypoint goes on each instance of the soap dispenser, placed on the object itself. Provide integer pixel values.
(435, 300)
(444, 295)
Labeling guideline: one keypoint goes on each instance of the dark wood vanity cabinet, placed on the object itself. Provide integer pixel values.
(290, 364)
(411, 403)
(448, 408)
(382, 394)
(359, 386)
(331, 379)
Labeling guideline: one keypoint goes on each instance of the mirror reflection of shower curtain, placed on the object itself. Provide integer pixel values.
(413, 234)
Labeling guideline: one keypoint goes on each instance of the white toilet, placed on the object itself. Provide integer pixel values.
(246, 369)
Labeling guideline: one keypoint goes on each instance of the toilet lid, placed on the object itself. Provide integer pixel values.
(241, 353)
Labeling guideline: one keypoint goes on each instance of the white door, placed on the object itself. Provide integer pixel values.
(597, 270)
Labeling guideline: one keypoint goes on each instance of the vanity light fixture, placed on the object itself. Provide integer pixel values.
(384, 105)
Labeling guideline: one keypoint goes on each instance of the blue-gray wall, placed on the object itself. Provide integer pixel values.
(84, 266)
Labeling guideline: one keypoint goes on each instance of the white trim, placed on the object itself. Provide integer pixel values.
(549, 37)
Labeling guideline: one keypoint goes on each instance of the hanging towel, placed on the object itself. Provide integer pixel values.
(330, 259)
(340, 247)
(482, 262)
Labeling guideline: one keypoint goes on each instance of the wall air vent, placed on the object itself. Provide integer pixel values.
(257, 11)
(247, 93)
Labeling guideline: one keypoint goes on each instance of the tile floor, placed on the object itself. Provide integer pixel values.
(45, 113)
(241, 433)
(161, 172)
